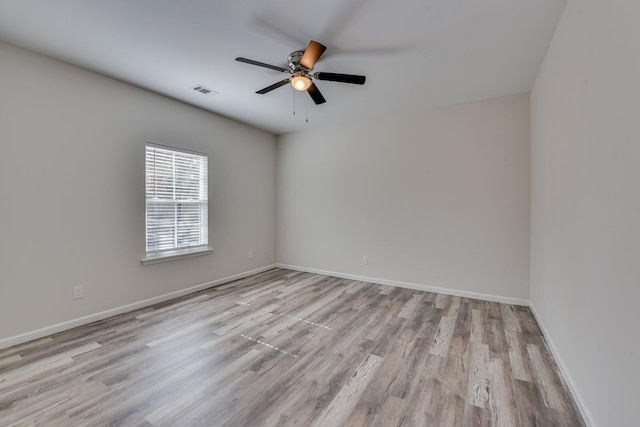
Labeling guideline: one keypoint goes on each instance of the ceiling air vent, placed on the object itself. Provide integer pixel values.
(204, 90)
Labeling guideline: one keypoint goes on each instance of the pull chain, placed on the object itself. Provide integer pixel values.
(294, 101)
(307, 120)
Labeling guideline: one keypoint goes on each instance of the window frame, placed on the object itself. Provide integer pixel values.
(161, 255)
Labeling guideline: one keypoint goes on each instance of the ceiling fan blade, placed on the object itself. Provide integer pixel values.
(315, 94)
(273, 86)
(262, 64)
(312, 53)
(342, 78)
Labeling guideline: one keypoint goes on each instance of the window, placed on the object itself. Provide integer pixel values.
(176, 203)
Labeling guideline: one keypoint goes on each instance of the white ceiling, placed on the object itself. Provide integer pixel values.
(415, 53)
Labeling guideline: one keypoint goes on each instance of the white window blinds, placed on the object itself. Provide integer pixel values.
(176, 199)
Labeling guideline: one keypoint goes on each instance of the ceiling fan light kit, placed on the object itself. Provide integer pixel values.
(300, 82)
(300, 65)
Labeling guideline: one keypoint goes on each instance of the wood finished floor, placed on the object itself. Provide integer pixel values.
(285, 348)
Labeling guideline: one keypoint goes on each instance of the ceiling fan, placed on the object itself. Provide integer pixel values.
(301, 62)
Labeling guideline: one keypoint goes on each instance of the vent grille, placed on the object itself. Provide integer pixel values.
(204, 90)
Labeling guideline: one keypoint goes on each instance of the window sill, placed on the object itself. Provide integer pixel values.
(173, 255)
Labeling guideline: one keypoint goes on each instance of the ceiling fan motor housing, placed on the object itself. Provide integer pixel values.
(294, 61)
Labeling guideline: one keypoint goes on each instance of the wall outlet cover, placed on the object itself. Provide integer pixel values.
(78, 292)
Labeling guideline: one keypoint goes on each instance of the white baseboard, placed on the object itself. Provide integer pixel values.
(586, 415)
(53, 329)
(418, 287)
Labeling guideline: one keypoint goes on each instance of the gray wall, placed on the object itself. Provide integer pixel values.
(585, 213)
(72, 192)
(435, 197)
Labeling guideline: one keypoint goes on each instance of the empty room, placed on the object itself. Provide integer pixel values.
(442, 231)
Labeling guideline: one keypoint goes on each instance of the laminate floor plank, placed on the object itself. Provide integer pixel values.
(341, 407)
(545, 378)
(440, 345)
(287, 348)
(478, 383)
(518, 357)
(501, 402)
(184, 399)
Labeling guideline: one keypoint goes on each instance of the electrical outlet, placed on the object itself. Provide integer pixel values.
(78, 292)
(250, 254)
(365, 260)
